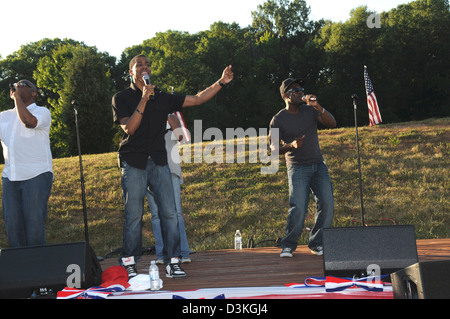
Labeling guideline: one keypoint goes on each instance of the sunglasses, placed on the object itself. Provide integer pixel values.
(296, 90)
(22, 83)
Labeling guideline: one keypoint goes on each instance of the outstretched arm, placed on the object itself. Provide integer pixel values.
(209, 93)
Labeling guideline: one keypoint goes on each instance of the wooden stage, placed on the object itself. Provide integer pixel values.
(260, 267)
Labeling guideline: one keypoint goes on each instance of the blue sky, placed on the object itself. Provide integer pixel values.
(114, 25)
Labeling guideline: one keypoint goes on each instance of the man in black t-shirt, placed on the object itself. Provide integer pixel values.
(297, 125)
(142, 114)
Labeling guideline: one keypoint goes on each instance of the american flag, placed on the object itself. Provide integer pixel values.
(185, 131)
(374, 111)
(98, 292)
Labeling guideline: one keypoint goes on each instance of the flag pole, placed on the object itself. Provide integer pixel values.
(355, 98)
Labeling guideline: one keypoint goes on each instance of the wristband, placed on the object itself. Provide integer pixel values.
(139, 112)
(221, 84)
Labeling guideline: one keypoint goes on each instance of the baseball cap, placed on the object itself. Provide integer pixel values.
(288, 82)
(115, 275)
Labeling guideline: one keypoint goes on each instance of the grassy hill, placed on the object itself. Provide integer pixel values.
(405, 169)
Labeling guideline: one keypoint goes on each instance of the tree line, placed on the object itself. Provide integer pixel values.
(407, 55)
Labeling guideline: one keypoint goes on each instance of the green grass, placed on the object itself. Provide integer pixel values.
(405, 181)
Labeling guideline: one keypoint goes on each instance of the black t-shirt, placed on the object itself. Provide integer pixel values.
(148, 140)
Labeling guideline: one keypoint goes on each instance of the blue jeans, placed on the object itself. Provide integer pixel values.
(25, 209)
(156, 222)
(134, 187)
(302, 179)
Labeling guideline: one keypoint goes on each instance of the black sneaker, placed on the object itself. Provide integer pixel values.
(129, 264)
(173, 270)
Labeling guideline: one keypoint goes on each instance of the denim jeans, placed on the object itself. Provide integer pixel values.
(302, 179)
(25, 209)
(156, 222)
(134, 187)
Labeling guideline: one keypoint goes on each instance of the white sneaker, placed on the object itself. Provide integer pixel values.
(129, 264)
(286, 252)
(317, 251)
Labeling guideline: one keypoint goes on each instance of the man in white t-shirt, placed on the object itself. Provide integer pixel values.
(28, 174)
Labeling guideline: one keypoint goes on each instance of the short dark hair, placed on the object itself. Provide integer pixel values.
(133, 60)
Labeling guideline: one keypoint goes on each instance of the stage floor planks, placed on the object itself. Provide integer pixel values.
(260, 267)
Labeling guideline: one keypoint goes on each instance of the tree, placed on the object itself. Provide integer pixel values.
(279, 24)
(420, 62)
(407, 58)
(224, 44)
(282, 18)
(88, 81)
(348, 47)
(82, 74)
(22, 64)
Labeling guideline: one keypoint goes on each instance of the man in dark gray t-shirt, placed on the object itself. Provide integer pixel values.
(294, 125)
(299, 142)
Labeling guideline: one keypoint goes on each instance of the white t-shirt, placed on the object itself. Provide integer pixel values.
(173, 154)
(26, 150)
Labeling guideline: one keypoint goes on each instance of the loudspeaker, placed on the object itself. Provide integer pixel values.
(32, 270)
(348, 252)
(424, 280)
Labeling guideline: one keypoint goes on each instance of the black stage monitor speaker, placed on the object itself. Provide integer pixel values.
(32, 270)
(348, 252)
(424, 280)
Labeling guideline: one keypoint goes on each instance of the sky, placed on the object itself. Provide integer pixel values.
(113, 25)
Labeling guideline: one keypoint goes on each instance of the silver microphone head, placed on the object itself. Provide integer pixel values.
(310, 99)
(146, 79)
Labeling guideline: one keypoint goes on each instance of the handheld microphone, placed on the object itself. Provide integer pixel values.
(310, 99)
(146, 79)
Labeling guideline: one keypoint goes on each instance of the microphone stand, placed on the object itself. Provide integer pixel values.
(83, 195)
(355, 98)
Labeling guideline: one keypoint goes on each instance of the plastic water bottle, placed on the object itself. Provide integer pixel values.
(238, 240)
(154, 276)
